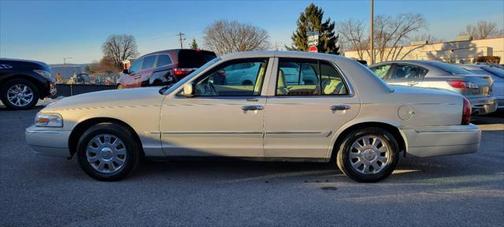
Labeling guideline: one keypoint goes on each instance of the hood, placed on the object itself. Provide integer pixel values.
(109, 98)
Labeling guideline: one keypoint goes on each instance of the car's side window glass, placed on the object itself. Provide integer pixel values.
(136, 65)
(148, 62)
(331, 80)
(237, 78)
(381, 71)
(408, 72)
(298, 78)
(163, 60)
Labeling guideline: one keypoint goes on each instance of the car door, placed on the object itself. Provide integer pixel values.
(304, 113)
(406, 74)
(223, 118)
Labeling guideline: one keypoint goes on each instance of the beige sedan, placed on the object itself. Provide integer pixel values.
(263, 105)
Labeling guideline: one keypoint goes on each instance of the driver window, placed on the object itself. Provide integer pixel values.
(237, 78)
(136, 65)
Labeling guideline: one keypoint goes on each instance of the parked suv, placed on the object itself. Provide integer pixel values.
(163, 67)
(23, 83)
(435, 74)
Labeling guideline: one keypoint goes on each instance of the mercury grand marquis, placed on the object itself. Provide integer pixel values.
(266, 105)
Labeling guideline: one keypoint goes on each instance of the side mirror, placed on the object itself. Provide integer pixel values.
(188, 90)
(126, 71)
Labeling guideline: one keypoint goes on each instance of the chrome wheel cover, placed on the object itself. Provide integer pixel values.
(106, 153)
(370, 154)
(20, 95)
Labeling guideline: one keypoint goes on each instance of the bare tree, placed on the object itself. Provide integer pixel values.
(354, 36)
(119, 48)
(391, 34)
(231, 36)
(482, 30)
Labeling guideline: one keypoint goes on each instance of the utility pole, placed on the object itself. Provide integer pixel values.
(371, 36)
(181, 39)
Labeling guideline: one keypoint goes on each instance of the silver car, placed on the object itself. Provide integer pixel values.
(497, 75)
(439, 75)
(297, 106)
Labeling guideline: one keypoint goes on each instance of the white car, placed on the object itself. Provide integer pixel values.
(347, 115)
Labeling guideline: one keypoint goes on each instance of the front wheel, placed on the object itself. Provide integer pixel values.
(108, 152)
(19, 94)
(368, 155)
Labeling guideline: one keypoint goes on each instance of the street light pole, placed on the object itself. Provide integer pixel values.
(371, 32)
(64, 60)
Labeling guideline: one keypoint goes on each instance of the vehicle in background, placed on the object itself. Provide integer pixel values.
(439, 75)
(163, 67)
(332, 109)
(23, 83)
(497, 75)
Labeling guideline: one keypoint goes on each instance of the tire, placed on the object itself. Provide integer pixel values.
(380, 159)
(29, 94)
(119, 157)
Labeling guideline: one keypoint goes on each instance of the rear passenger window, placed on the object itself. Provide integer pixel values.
(308, 78)
(408, 72)
(148, 62)
(163, 60)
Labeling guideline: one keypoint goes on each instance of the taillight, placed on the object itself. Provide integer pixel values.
(466, 112)
(460, 84)
(180, 72)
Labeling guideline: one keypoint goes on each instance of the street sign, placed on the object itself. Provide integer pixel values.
(313, 38)
(313, 49)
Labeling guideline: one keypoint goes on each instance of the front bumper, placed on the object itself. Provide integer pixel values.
(48, 141)
(482, 106)
(442, 140)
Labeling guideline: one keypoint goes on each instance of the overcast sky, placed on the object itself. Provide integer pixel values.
(52, 30)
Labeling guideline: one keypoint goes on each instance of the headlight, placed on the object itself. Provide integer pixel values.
(48, 120)
(43, 73)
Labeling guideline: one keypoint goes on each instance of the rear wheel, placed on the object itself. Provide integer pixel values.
(368, 155)
(19, 94)
(107, 152)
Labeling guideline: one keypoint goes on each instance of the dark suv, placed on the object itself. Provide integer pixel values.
(163, 67)
(23, 83)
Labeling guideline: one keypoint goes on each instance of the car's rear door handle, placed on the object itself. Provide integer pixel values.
(252, 107)
(340, 107)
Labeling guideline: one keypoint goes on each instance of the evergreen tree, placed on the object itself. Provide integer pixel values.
(194, 45)
(311, 21)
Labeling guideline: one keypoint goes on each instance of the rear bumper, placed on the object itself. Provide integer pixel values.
(484, 105)
(442, 140)
(47, 141)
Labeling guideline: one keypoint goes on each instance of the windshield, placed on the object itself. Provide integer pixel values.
(453, 69)
(191, 75)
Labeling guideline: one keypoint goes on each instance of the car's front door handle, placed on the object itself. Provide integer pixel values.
(252, 107)
(340, 107)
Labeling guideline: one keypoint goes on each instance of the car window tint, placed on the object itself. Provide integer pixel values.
(238, 78)
(163, 60)
(148, 62)
(135, 66)
(297, 78)
(331, 80)
(381, 71)
(408, 72)
(453, 69)
(194, 58)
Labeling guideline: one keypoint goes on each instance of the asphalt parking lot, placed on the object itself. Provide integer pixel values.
(466, 190)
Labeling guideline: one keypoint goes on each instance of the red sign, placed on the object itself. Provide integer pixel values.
(313, 49)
